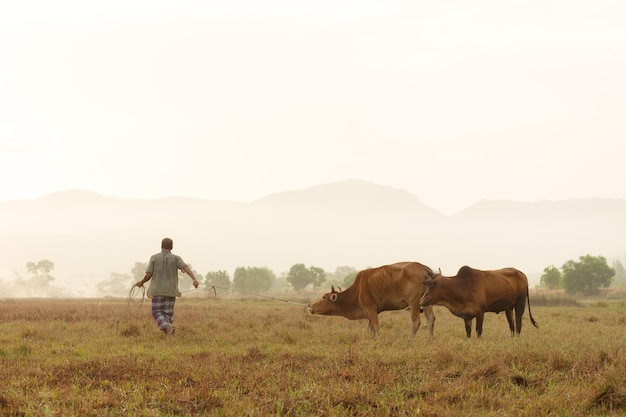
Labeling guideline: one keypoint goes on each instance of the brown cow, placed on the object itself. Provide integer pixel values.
(388, 287)
(472, 292)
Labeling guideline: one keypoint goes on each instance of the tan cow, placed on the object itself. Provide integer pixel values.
(388, 287)
(472, 293)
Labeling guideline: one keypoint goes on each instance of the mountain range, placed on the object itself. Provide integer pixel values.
(347, 223)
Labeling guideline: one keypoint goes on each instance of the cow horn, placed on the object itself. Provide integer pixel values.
(332, 288)
(339, 289)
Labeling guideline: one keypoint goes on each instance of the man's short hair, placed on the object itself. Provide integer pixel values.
(167, 243)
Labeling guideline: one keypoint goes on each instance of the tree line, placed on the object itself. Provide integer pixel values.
(588, 275)
(245, 279)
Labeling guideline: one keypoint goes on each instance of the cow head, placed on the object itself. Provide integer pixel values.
(429, 283)
(327, 304)
(430, 280)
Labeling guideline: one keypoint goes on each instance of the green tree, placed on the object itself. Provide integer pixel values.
(620, 274)
(139, 270)
(218, 279)
(341, 272)
(185, 284)
(253, 279)
(318, 274)
(300, 276)
(117, 284)
(40, 273)
(552, 278)
(342, 277)
(588, 275)
(38, 284)
(349, 280)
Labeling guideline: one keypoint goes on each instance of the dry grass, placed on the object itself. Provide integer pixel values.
(259, 358)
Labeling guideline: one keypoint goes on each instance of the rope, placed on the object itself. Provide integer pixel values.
(134, 291)
(256, 295)
(132, 297)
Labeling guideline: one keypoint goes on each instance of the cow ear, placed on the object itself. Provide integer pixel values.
(430, 282)
(333, 297)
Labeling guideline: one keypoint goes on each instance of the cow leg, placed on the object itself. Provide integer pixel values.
(479, 323)
(373, 321)
(415, 320)
(509, 318)
(519, 312)
(468, 326)
(430, 320)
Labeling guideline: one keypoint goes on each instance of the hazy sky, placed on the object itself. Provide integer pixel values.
(455, 101)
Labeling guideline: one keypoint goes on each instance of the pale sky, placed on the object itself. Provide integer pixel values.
(454, 101)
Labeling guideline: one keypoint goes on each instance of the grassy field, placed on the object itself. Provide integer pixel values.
(264, 358)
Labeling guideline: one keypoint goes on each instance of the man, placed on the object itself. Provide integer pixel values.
(163, 270)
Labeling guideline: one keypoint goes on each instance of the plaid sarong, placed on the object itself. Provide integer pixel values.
(163, 310)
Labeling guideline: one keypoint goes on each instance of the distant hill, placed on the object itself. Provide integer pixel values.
(350, 195)
(347, 223)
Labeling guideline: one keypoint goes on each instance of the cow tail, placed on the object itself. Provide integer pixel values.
(532, 320)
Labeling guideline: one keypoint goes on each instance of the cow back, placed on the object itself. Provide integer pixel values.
(499, 289)
(391, 287)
